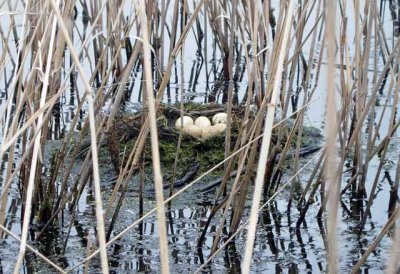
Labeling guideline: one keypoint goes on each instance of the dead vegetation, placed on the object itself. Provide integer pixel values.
(274, 62)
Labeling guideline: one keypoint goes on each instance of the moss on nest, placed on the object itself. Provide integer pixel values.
(207, 152)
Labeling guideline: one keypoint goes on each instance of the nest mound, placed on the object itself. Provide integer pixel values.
(128, 127)
(206, 153)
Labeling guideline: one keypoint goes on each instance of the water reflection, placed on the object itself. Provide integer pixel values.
(280, 246)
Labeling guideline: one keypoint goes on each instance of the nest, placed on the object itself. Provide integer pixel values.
(128, 127)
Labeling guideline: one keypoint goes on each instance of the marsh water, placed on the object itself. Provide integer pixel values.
(280, 246)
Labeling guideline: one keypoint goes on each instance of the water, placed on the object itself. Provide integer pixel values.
(280, 246)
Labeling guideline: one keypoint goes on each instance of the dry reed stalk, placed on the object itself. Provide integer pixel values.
(389, 224)
(65, 197)
(346, 90)
(318, 167)
(357, 106)
(307, 94)
(230, 88)
(17, 73)
(374, 133)
(164, 8)
(165, 80)
(32, 249)
(14, 88)
(36, 148)
(331, 175)
(251, 153)
(101, 101)
(362, 88)
(238, 206)
(11, 175)
(302, 21)
(123, 190)
(279, 166)
(359, 123)
(382, 155)
(181, 109)
(89, 248)
(392, 263)
(158, 181)
(205, 47)
(255, 128)
(228, 202)
(182, 190)
(357, 64)
(141, 143)
(245, 224)
(266, 142)
(96, 177)
(66, 139)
